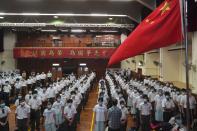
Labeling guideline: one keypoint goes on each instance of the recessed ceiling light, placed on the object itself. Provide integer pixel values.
(56, 17)
(1, 17)
(110, 18)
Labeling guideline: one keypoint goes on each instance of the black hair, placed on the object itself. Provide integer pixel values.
(114, 102)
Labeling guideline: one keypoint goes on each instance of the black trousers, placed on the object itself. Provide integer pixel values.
(22, 124)
(191, 116)
(35, 120)
(5, 127)
(123, 127)
(111, 129)
(145, 123)
(167, 115)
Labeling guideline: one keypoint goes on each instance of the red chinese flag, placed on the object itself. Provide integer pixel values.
(161, 28)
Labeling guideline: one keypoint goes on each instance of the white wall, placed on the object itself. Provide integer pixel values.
(7, 55)
(150, 69)
(194, 62)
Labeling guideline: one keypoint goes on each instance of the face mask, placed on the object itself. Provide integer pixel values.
(49, 107)
(145, 100)
(22, 103)
(167, 97)
(100, 103)
(2, 105)
(19, 97)
(69, 104)
(35, 96)
(122, 106)
(58, 99)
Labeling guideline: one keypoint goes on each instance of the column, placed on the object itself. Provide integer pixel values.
(194, 62)
(169, 69)
(9, 41)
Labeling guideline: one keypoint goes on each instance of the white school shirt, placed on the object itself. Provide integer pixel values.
(35, 103)
(192, 102)
(49, 74)
(145, 108)
(51, 92)
(28, 97)
(49, 116)
(57, 106)
(168, 104)
(6, 112)
(7, 88)
(69, 112)
(158, 102)
(100, 112)
(43, 76)
(22, 112)
(125, 112)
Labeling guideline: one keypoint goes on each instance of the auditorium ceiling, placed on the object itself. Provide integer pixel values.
(129, 12)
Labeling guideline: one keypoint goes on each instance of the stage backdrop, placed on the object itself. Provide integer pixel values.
(62, 52)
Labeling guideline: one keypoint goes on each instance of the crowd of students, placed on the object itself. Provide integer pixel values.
(56, 103)
(148, 101)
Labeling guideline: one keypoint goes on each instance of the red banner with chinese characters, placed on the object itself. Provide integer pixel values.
(62, 52)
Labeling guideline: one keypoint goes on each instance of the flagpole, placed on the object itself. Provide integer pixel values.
(185, 32)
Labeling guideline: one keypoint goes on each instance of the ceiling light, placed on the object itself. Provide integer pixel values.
(109, 31)
(64, 30)
(1, 17)
(56, 64)
(82, 64)
(48, 30)
(56, 17)
(77, 31)
(110, 18)
(62, 14)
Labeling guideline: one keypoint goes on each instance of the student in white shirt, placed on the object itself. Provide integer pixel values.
(49, 118)
(58, 107)
(4, 114)
(124, 117)
(69, 114)
(49, 76)
(158, 106)
(192, 107)
(100, 115)
(168, 107)
(22, 116)
(145, 114)
(6, 89)
(28, 97)
(35, 105)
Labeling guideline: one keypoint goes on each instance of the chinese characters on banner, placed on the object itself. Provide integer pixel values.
(63, 52)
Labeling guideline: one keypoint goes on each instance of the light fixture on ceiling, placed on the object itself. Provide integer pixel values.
(64, 30)
(55, 64)
(110, 18)
(49, 30)
(77, 30)
(1, 17)
(55, 17)
(82, 64)
(61, 14)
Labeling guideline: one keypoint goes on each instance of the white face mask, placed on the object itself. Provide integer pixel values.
(22, 103)
(69, 104)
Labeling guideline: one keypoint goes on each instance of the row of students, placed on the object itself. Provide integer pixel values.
(53, 103)
(164, 98)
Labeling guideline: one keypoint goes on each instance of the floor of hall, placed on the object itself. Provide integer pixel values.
(86, 120)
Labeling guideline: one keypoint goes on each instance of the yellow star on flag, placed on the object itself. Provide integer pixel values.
(165, 8)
